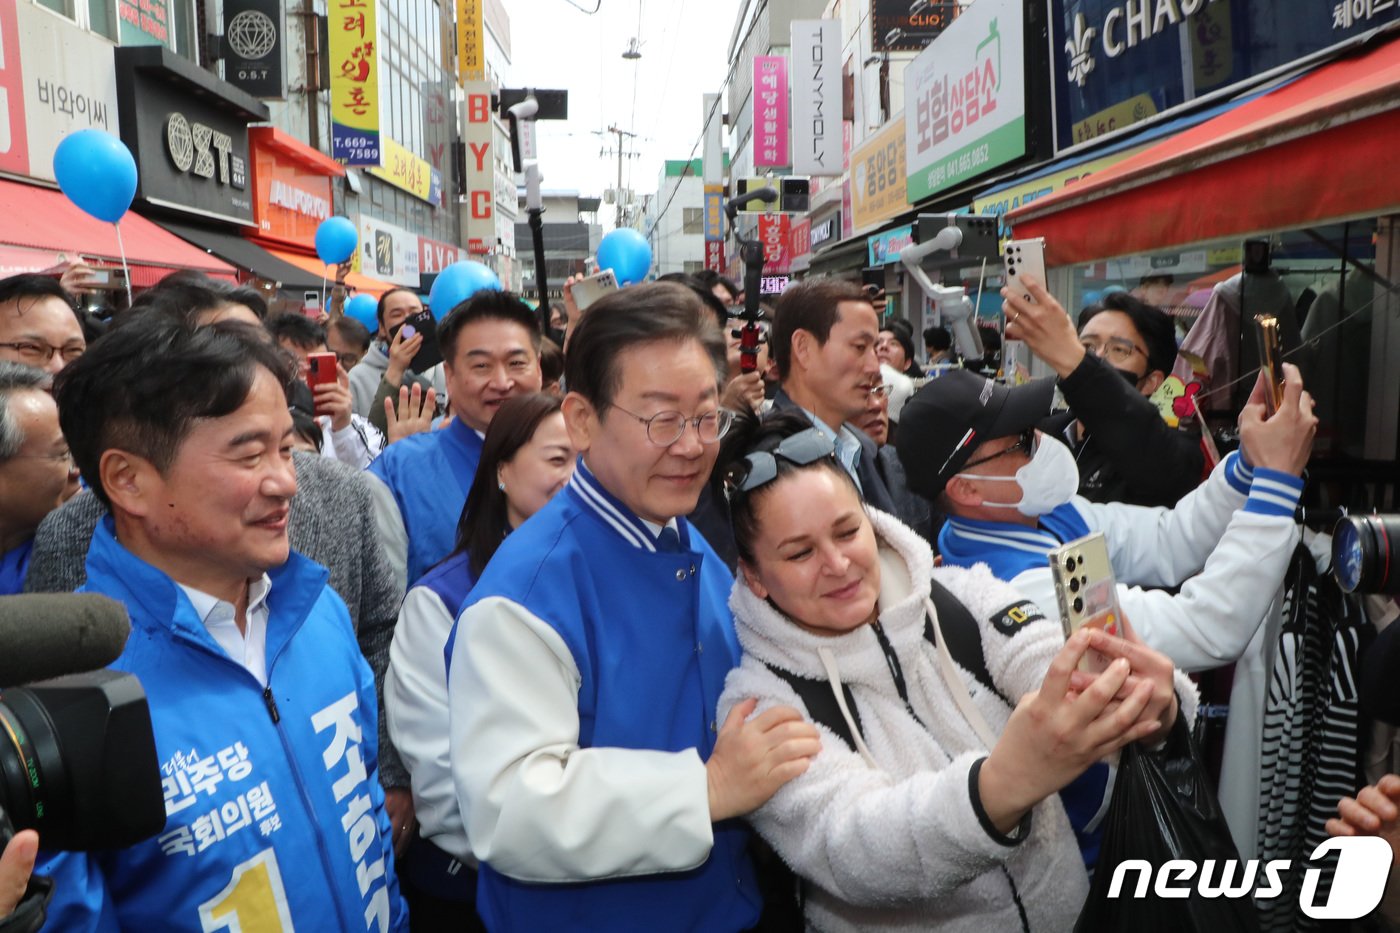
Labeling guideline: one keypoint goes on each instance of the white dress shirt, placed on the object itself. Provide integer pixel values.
(248, 648)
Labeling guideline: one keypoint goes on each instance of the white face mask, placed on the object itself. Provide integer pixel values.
(1048, 480)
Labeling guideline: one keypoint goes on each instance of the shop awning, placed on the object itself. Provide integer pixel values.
(313, 264)
(1319, 149)
(246, 255)
(44, 219)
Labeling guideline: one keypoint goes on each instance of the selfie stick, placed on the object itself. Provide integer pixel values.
(534, 206)
(751, 252)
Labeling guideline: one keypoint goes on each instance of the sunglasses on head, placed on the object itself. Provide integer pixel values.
(761, 467)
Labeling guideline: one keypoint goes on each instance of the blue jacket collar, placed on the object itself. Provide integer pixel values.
(590, 494)
(156, 602)
(1006, 548)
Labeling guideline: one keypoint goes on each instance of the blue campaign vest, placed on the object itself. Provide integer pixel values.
(14, 564)
(653, 639)
(429, 475)
(300, 795)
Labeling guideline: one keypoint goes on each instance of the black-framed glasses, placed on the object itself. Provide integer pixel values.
(37, 353)
(666, 427)
(761, 467)
(1115, 349)
(1026, 443)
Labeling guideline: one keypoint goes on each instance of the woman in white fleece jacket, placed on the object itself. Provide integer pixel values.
(922, 825)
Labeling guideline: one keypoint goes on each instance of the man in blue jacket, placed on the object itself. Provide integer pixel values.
(598, 790)
(263, 709)
(491, 352)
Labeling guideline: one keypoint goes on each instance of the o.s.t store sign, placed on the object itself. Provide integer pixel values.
(189, 133)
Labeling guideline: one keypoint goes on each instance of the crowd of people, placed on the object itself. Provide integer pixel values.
(593, 627)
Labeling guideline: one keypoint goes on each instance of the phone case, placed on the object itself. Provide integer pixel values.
(1270, 359)
(587, 291)
(1024, 256)
(1085, 586)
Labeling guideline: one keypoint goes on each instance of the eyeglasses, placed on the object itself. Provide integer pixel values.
(38, 353)
(879, 391)
(761, 467)
(64, 457)
(666, 427)
(347, 360)
(1116, 349)
(1026, 443)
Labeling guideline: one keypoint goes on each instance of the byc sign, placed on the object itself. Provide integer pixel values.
(1362, 868)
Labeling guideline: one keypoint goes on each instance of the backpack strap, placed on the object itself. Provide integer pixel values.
(963, 636)
(821, 704)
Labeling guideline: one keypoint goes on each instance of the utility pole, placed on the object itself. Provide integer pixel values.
(621, 154)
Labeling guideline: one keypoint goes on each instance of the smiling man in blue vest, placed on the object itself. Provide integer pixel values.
(598, 789)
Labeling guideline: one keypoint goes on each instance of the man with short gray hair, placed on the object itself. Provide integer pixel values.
(36, 471)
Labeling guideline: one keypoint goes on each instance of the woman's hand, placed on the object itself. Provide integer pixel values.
(1044, 326)
(413, 415)
(1149, 666)
(1055, 733)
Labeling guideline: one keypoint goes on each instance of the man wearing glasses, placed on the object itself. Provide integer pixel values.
(1124, 351)
(598, 790)
(38, 326)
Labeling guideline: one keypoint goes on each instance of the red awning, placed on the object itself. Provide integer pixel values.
(43, 219)
(355, 280)
(1317, 150)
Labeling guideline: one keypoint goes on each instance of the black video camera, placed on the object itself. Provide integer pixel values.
(1362, 555)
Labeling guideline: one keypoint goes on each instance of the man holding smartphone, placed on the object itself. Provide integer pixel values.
(1009, 492)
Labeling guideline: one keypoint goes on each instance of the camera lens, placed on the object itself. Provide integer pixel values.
(1078, 604)
(1070, 564)
(1361, 553)
(1074, 584)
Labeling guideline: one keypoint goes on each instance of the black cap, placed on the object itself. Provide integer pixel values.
(942, 424)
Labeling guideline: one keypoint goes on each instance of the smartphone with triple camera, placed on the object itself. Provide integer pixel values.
(1086, 589)
(1025, 256)
(429, 354)
(1270, 360)
(588, 290)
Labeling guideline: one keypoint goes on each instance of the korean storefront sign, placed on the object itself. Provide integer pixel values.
(144, 22)
(966, 99)
(1116, 63)
(58, 80)
(773, 234)
(884, 247)
(816, 97)
(714, 212)
(253, 47)
(878, 176)
(901, 26)
(714, 255)
(434, 255)
(471, 40)
(355, 103)
(388, 252)
(800, 239)
(291, 197)
(770, 111)
(407, 171)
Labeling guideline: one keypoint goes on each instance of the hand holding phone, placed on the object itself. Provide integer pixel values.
(1022, 257)
(1270, 360)
(588, 290)
(1086, 590)
(321, 371)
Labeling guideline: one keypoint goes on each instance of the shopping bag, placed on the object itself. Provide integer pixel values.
(1163, 808)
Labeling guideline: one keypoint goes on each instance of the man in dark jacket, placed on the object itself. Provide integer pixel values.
(1121, 355)
(824, 336)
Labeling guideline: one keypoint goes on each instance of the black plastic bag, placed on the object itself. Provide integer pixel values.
(1165, 808)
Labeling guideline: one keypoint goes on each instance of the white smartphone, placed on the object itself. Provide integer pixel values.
(587, 291)
(1023, 256)
(1086, 590)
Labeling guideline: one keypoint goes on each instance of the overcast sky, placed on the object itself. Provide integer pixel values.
(684, 55)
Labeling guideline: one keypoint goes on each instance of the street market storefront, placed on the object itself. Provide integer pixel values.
(1305, 167)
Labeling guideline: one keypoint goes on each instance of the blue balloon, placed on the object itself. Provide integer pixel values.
(457, 283)
(96, 172)
(627, 253)
(336, 239)
(364, 309)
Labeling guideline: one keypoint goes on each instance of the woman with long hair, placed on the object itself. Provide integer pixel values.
(525, 459)
(933, 801)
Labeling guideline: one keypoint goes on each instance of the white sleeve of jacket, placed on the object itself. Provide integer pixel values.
(415, 703)
(393, 534)
(355, 445)
(1162, 547)
(537, 806)
(864, 835)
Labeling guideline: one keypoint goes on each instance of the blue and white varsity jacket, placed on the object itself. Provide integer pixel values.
(274, 813)
(586, 671)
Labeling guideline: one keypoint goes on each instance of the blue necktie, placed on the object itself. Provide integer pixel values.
(668, 541)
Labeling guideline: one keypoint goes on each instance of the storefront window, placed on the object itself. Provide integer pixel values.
(1319, 283)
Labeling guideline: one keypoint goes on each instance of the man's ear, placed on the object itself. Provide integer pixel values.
(750, 578)
(132, 483)
(804, 346)
(581, 421)
(1153, 382)
(960, 491)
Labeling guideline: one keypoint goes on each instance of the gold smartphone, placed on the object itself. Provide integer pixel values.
(1087, 591)
(1270, 360)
